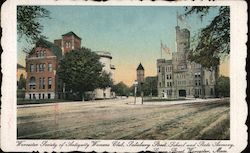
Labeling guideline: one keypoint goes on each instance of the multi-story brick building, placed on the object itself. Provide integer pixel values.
(42, 63)
(180, 77)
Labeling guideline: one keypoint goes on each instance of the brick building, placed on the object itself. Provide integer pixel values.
(42, 63)
(70, 41)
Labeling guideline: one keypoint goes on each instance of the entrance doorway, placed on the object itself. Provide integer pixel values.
(182, 93)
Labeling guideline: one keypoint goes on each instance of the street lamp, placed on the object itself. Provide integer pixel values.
(135, 84)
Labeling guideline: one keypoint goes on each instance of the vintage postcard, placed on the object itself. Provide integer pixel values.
(124, 76)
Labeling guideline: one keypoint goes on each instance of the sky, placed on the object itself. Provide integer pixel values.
(132, 34)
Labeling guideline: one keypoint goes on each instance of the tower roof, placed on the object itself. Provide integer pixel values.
(70, 34)
(140, 67)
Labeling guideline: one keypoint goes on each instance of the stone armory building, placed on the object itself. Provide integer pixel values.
(180, 77)
(42, 63)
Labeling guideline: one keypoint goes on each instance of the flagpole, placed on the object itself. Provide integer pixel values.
(177, 18)
(161, 49)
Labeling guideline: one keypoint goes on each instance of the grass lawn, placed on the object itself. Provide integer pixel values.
(41, 101)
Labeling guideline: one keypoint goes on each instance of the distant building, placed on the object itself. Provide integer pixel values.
(180, 77)
(43, 61)
(21, 71)
(105, 59)
(140, 73)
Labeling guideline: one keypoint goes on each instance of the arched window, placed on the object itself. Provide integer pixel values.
(32, 83)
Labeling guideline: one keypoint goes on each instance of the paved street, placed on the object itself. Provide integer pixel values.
(121, 119)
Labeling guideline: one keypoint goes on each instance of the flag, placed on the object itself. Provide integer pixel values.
(181, 17)
(166, 49)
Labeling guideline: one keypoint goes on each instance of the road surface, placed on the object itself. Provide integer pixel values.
(121, 119)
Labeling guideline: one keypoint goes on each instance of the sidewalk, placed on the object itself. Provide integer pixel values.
(197, 100)
(68, 103)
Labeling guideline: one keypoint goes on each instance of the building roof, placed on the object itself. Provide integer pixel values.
(19, 66)
(70, 34)
(140, 67)
(104, 54)
(54, 48)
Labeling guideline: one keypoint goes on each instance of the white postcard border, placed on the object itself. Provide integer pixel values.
(238, 106)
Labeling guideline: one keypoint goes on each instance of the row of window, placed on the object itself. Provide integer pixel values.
(181, 76)
(168, 69)
(67, 44)
(168, 92)
(32, 83)
(197, 75)
(40, 96)
(40, 53)
(169, 76)
(198, 92)
(183, 82)
(40, 67)
(169, 84)
(197, 82)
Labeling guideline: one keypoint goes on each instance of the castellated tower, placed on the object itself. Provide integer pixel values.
(182, 45)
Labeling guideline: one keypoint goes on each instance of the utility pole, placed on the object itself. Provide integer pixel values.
(135, 91)
(141, 93)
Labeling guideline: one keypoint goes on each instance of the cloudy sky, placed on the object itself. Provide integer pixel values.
(132, 34)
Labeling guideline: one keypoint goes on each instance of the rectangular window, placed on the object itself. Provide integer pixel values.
(40, 83)
(30, 96)
(44, 66)
(39, 96)
(37, 67)
(48, 95)
(40, 67)
(49, 83)
(44, 53)
(50, 67)
(32, 68)
(43, 83)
